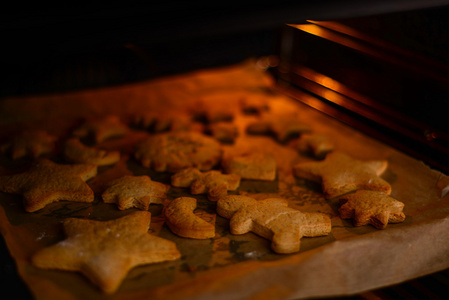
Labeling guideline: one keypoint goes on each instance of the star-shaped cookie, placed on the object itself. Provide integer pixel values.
(161, 121)
(101, 129)
(46, 182)
(282, 126)
(135, 191)
(315, 144)
(340, 173)
(272, 219)
(371, 207)
(29, 143)
(105, 251)
(214, 183)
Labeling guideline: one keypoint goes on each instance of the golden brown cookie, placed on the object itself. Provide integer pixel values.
(181, 219)
(282, 126)
(255, 104)
(162, 121)
(211, 112)
(29, 143)
(443, 185)
(135, 191)
(316, 145)
(225, 132)
(105, 251)
(213, 183)
(273, 220)
(46, 182)
(340, 173)
(101, 129)
(76, 152)
(371, 207)
(251, 165)
(173, 151)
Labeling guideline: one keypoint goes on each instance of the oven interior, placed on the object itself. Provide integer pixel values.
(382, 69)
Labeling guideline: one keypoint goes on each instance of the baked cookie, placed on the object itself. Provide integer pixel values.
(75, 151)
(224, 132)
(105, 251)
(162, 121)
(101, 129)
(371, 207)
(213, 182)
(173, 151)
(340, 174)
(29, 143)
(251, 165)
(316, 145)
(282, 126)
(273, 220)
(181, 219)
(135, 191)
(211, 112)
(443, 185)
(254, 105)
(46, 182)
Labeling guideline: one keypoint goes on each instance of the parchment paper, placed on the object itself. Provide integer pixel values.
(349, 260)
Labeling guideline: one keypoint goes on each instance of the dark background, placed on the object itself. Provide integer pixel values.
(68, 47)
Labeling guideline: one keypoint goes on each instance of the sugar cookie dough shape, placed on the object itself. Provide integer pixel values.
(340, 173)
(371, 207)
(281, 126)
(46, 182)
(213, 183)
(101, 129)
(75, 151)
(181, 219)
(29, 143)
(134, 191)
(105, 251)
(317, 145)
(173, 151)
(272, 219)
(251, 165)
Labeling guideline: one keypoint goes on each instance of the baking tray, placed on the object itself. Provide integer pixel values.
(347, 261)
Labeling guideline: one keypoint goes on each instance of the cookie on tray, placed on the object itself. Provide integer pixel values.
(162, 121)
(46, 182)
(211, 112)
(181, 219)
(173, 151)
(315, 144)
(272, 219)
(254, 105)
(105, 251)
(76, 152)
(251, 165)
(225, 132)
(101, 129)
(135, 191)
(371, 207)
(213, 183)
(29, 143)
(340, 173)
(281, 126)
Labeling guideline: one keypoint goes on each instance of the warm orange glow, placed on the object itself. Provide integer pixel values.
(327, 82)
(334, 37)
(310, 28)
(321, 79)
